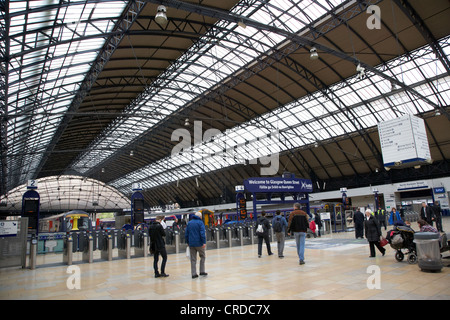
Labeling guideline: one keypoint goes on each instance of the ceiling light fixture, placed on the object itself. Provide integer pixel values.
(361, 71)
(314, 55)
(242, 24)
(186, 122)
(161, 17)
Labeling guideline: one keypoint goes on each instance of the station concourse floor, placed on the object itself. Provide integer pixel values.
(336, 268)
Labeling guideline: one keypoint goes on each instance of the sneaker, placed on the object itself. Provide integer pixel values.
(195, 276)
(259, 256)
(163, 275)
(302, 262)
(203, 274)
(271, 254)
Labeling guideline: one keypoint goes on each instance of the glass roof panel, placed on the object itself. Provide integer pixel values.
(254, 142)
(42, 68)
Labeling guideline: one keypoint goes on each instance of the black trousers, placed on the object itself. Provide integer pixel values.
(438, 220)
(260, 242)
(372, 245)
(163, 253)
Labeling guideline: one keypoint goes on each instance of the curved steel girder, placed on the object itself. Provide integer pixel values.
(187, 109)
(127, 19)
(240, 80)
(417, 21)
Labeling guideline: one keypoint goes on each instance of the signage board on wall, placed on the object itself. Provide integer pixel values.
(278, 185)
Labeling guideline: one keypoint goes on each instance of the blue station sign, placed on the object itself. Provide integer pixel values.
(278, 184)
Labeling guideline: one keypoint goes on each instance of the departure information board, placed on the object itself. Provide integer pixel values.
(403, 140)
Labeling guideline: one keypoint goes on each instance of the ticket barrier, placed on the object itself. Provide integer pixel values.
(141, 243)
(105, 243)
(212, 238)
(86, 246)
(124, 244)
(68, 250)
(177, 241)
(251, 234)
(33, 252)
(180, 244)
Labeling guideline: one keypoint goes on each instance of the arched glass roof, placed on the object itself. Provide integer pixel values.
(64, 193)
(99, 87)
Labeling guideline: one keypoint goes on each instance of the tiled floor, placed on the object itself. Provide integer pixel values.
(336, 268)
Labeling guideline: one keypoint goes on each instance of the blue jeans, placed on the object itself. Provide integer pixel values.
(300, 241)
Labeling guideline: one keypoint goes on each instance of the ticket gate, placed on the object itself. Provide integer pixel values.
(124, 244)
(141, 243)
(68, 250)
(87, 244)
(105, 243)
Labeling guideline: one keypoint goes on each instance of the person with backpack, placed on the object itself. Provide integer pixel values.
(158, 246)
(279, 225)
(262, 231)
(298, 224)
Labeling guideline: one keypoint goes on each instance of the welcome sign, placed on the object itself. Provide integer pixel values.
(278, 185)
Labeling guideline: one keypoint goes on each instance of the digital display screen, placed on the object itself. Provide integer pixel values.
(138, 205)
(31, 206)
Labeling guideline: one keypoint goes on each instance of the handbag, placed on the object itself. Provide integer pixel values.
(188, 253)
(383, 242)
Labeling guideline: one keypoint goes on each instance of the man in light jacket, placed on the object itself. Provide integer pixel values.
(195, 236)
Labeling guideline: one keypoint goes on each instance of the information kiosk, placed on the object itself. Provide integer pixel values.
(137, 205)
(30, 207)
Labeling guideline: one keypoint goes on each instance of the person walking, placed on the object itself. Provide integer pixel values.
(358, 219)
(395, 217)
(279, 225)
(427, 214)
(373, 233)
(262, 231)
(158, 246)
(195, 236)
(298, 224)
(381, 216)
(318, 222)
(438, 216)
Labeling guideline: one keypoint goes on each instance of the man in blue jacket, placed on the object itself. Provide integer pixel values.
(196, 239)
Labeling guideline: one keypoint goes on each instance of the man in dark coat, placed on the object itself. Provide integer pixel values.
(158, 246)
(427, 214)
(438, 216)
(373, 233)
(262, 220)
(358, 218)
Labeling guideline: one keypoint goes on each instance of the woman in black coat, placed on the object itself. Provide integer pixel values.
(373, 233)
(358, 218)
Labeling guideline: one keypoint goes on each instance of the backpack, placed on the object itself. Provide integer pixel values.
(277, 227)
(260, 229)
